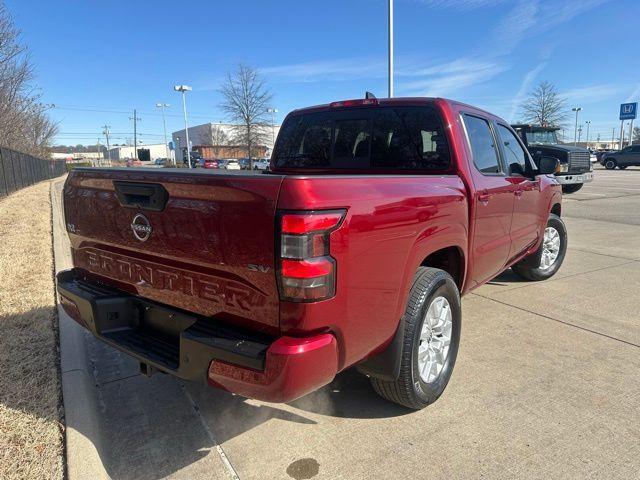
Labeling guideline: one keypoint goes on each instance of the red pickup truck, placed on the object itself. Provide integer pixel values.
(354, 249)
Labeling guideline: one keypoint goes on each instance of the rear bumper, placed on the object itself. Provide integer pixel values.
(199, 349)
(570, 179)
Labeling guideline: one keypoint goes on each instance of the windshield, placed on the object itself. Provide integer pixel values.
(543, 137)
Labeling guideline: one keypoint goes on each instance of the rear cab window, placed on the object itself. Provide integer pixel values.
(381, 138)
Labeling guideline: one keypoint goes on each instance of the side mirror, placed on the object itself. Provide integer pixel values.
(548, 165)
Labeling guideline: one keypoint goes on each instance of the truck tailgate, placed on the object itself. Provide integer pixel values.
(199, 241)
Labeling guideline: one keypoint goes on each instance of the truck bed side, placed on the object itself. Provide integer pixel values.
(393, 224)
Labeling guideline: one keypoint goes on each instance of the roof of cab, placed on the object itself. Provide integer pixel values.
(406, 101)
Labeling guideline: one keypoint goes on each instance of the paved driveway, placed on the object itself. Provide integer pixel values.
(546, 386)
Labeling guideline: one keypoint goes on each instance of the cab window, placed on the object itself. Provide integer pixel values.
(515, 156)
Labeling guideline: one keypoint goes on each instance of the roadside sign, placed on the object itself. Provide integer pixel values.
(628, 111)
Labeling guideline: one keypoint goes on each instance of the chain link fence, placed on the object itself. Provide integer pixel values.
(19, 170)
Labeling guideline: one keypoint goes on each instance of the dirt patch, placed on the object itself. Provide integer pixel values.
(31, 435)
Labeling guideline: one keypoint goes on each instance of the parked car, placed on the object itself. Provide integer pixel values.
(261, 164)
(210, 163)
(575, 168)
(354, 250)
(627, 157)
(600, 153)
(244, 163)
(233, 165)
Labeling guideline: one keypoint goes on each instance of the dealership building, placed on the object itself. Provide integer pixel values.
(145, 152)
(220, 137)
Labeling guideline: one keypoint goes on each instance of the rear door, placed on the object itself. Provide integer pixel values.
(200, 241)
(492, 203)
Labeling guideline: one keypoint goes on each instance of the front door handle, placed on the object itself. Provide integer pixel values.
(484, 196)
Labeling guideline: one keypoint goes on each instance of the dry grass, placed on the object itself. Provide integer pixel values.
(31, 440)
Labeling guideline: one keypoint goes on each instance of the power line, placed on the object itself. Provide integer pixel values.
(101, 110)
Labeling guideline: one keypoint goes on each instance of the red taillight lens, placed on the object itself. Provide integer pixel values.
(311, 222)
(307, 271)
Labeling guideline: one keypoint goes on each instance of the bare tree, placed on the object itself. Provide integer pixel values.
(24, 123)
(636, 134)
(217, 136)
(545, 106)
(246, 101)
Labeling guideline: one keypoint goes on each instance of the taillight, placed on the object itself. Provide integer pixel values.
(354, 103)
(307, 270)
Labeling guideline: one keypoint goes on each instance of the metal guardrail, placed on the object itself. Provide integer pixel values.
(19, 170)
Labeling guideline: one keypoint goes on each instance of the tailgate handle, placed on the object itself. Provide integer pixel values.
(146, 196)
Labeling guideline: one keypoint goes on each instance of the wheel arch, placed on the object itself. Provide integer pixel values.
(385, 364)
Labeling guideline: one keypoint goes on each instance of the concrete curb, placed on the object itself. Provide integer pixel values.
(79, 393)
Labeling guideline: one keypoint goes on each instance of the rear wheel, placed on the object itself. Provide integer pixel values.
(432, 322)
(609, 164)
(551, 253)
(572, 188)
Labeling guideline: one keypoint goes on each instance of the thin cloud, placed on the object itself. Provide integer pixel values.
(327, 70)
(525, 86)
(461, 5)
(450, 77)
(593, 93)
(634, 95)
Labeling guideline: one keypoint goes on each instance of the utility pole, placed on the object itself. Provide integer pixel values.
(621, 135)
(135, 134)
(588, 122)
(164, 126)
(390, 48)
(575, 130)
(613, 136)
(106, 134)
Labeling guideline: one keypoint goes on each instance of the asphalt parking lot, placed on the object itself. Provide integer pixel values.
(546, 386)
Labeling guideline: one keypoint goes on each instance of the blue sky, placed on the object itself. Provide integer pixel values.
(96, 61)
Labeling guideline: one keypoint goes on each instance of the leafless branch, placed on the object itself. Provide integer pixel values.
(246, 101)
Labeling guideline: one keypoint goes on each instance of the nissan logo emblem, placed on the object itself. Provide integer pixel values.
(141, 227)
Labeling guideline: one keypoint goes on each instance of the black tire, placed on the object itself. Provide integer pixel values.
(410, 390)
(610, 164)
(535, 273)
(622, 167)
(572, 188)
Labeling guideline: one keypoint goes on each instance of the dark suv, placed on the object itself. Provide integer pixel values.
(627, 157)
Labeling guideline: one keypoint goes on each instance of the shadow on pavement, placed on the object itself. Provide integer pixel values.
(154, 427)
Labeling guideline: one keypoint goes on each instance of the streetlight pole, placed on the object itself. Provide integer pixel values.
(390, 48)
(184, 89)
(273, 112)
(588, 122)
(575, 130)
(579, 133)
(106, 134)
(164, 126)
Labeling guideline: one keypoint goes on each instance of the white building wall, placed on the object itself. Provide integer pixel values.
(202, 135)
(124, 152)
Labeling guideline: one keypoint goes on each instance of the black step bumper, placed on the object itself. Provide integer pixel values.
(170, 340)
